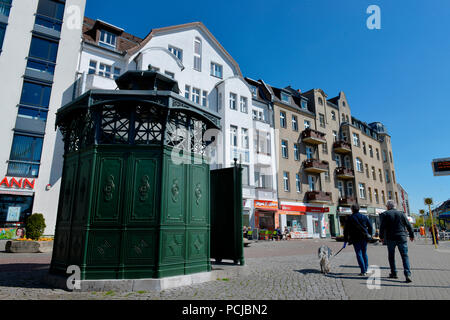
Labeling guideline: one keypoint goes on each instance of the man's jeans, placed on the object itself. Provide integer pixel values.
(361, 255)
(403, 249)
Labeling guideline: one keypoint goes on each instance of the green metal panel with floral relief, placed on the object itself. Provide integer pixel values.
(135, 189)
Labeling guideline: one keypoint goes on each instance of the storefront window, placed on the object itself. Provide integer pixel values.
(296, 223)
(14, 210)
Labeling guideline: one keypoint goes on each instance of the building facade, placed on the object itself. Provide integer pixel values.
(39, 49)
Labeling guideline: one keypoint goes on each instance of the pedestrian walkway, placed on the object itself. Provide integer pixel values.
(430, 274)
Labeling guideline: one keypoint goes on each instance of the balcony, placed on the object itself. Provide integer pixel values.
(94, 81)
(347, 201)
(318, 196)
(344, 173)
(315, 166)
(313, 137)
(342, 147)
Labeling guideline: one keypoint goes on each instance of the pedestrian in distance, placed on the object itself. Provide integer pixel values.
(394, 230)
(435, 238)
(358, 231)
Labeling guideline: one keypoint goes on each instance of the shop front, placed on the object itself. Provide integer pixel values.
(266, 217)
(16, 203)
(303, 221)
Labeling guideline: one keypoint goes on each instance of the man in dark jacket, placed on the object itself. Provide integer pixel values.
(393, 231)
(355, 231)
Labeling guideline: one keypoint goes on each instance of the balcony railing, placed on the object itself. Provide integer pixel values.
(318, 196)
(345, 173)
(313, 137)
(48, 22)
(315, 165)
(342, 147)
(346, 201)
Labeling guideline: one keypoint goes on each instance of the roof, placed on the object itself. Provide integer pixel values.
(157, 31)
(125, 41)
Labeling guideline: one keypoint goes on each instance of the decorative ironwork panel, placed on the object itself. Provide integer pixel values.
(148, 125)
(115, 125)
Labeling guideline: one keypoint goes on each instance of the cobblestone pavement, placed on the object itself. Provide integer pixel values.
(286, 270)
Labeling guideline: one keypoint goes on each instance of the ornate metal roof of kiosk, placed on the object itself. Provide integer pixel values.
(146, 109)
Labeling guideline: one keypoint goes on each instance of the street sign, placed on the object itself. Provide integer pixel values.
(428, 201)
(441, 167)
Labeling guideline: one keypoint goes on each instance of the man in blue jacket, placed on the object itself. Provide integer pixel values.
(357, 229)
(394, 230)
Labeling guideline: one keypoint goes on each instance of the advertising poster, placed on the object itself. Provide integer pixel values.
(13, 214)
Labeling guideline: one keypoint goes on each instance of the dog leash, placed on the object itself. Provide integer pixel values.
(338, 252)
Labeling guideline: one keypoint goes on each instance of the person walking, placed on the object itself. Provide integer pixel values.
(394, 229)
(357, 231)
(435, 237)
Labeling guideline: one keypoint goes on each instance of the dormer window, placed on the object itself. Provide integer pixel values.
(320, 101)
(304, 104)
(176, 52)
(284, 97)
(254, 91)
(107, 39)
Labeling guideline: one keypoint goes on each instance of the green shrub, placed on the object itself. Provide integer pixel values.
(35, 226)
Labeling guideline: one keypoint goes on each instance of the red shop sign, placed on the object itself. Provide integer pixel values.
(19, 183)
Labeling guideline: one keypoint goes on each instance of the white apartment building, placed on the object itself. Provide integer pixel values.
(39, 49)
(206, 74)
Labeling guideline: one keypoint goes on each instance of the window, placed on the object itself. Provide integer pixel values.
(34, 94)
(338, 160)
(255, 114)
(261, 116)
(334, 136)
(380, 175)
(389, 195)
(311, 183)
(219, 104)
(307, 124)
(286, 181)
(169, 74)
(325, 148)
(284, 97)
(25, 156)
(393, 176)
(244, 106)
(343, 103)
(374, 174)
(370, 151)
(245, 138)
(187, 91)
(343, 117)
(177, 52)
(196, 95)
(359, 165)
(396, 198)
(367, 170)
(362, 190)
(233, 135)
(42, 56)
(92, 67)
(320, 101)
(245, 175)
(49, 14)
(364, 148)
(347, 119)
(388, 178)
(344, 136)
(347, 162)
(383, 196)
(356, 139)
(282, 119)
(294, 123)
(378, 155)
(233, 98)
(268, 144)
(340, 186)
(205, 98)
(104, 70)
(197, 54)
(377, 200)
(284, 149)
(216, 70)
(296, 152)
(390, 156)
(327, 175)
(333, 115)
(304, 104)
(107, 39)
(5, 6)
(309, 153)
(384, 156)
(350, 189)
(322, 120)
(370, 194)
(254, 91)
(2, 34)
(116, 72)
(298, 183)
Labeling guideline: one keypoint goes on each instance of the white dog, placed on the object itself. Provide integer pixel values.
(324, 259)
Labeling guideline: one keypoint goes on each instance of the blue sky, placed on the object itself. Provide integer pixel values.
(398, 75)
